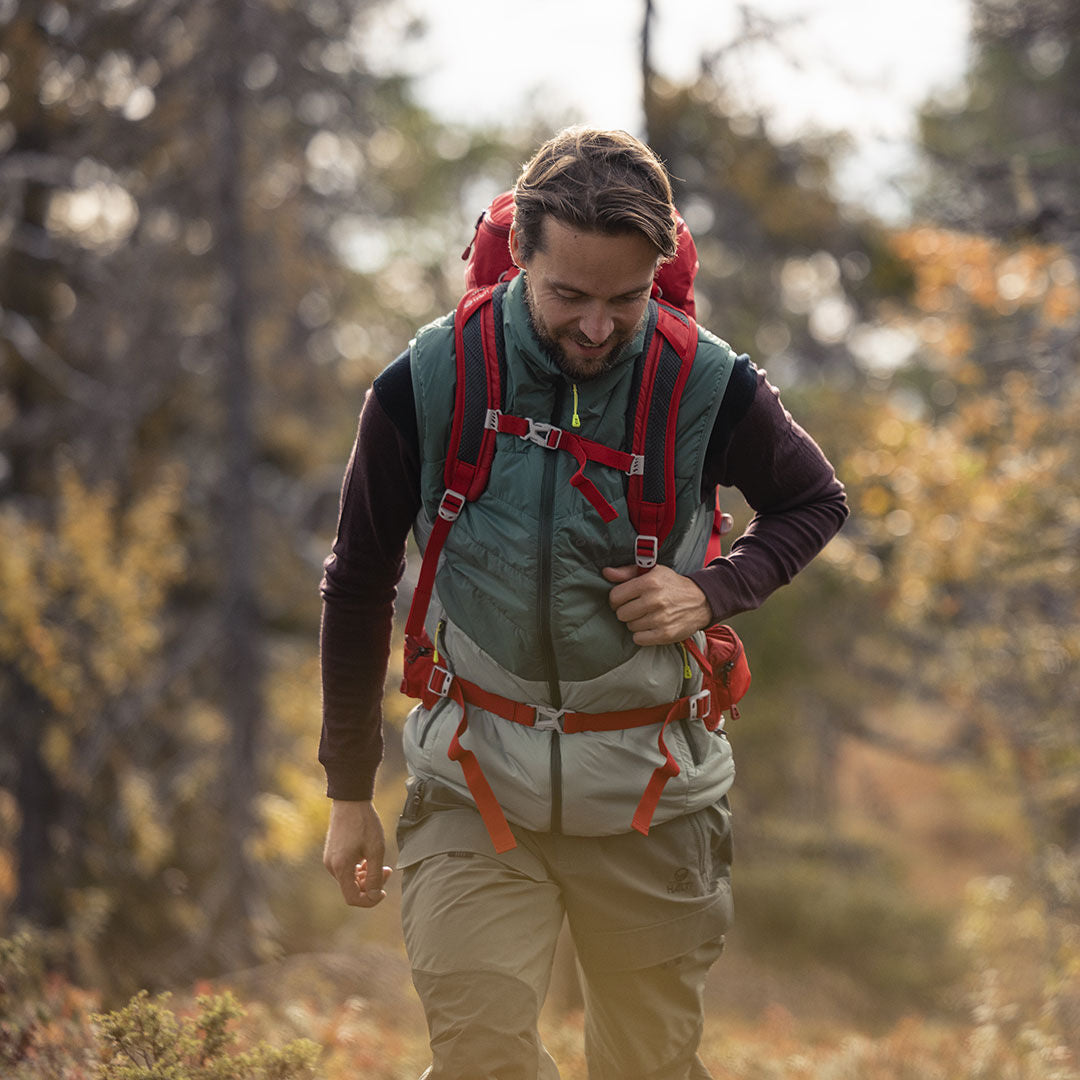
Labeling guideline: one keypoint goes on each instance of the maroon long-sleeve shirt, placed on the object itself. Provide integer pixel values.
(755, 447)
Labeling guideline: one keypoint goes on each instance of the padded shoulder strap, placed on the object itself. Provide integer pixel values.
(479, 353)
(479, 356)
(669, 355)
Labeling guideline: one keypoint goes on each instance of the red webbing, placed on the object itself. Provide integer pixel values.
(414, 627)
(643, 815)
(572, 722)
(486, 803)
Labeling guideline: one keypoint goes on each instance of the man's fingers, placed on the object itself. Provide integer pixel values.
(629, 586)
(637, 610)
(372, 880)
(370, 884)
(618, 574)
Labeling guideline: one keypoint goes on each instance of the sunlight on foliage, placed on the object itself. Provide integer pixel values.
(145, 1040)
(81, 599)
(293, 814)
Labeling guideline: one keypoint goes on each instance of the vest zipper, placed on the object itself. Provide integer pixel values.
(546, 539)
(547, 644)
(432, 717)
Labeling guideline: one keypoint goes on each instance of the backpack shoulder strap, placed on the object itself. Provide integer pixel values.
(479, 357)
(671, 344)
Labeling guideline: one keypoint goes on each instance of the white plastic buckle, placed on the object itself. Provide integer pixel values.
(547, 718)
(645, 551)
(491, 419)
(701, 705)
(637, 465)
(451, 504)
(444, 677)
(546, 435)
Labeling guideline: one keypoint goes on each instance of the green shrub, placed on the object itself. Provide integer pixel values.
(145, 1040)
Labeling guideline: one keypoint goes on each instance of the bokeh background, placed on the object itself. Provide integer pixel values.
(219, 221)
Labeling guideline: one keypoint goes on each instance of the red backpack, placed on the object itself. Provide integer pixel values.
(488, 256)
(670, 347)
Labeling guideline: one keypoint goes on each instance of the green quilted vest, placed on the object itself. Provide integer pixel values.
(521, 574)
(520, 607)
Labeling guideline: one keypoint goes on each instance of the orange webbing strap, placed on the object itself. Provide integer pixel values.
(569, 723)
(643, 815)
(488, 806)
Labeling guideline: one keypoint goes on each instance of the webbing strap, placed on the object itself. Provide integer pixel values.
(486, 804)
(643, 815)
(569, 723)
(583, 450)
(425, 583)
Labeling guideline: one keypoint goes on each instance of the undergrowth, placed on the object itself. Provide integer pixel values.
(1018, 1018)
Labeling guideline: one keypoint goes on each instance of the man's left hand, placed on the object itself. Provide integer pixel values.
(660, 606)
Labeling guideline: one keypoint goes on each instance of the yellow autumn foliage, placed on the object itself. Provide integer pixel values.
(954, 269)
(81, 596)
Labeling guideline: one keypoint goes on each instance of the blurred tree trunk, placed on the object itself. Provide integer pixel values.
(236, 898)
(27, 278)
(37, 899)
(648, 75)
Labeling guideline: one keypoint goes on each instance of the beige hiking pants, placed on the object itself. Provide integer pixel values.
(647, 915)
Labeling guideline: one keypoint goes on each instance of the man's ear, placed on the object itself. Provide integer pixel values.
(515, 248)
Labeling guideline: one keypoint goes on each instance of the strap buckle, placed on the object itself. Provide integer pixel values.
(701, 705)
(548, 718)
(491, 419)
(645, 551)
(439, 680)
(637, 465)
(451, 504)
(546, 435)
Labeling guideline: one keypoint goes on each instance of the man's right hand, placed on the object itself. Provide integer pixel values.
(354, 853)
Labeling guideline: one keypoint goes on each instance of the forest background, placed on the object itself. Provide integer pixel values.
(218, 222)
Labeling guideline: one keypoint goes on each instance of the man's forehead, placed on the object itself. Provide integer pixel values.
(552, 224)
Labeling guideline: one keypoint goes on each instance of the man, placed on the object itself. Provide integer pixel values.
(539, 602)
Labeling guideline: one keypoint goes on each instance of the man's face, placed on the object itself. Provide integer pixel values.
(587, 294)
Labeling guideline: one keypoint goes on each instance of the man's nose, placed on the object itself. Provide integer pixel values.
(596, 324)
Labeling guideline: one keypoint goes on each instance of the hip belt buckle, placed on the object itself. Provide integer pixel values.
(701, 705)
(547, 718)
(439, 681)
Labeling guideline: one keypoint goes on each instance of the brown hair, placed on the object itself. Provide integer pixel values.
(602, 181)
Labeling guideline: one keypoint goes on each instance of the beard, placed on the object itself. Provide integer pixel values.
(575, 368)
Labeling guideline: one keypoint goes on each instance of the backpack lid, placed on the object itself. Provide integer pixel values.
(488, 256)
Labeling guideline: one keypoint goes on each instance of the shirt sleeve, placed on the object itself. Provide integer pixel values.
(798, 502)
(379, 502)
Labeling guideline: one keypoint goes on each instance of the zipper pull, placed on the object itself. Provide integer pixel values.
(575, 420)
(686, 669)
